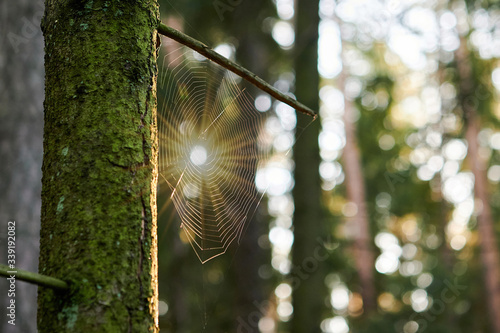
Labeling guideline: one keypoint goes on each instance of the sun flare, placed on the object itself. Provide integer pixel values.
(209, 153)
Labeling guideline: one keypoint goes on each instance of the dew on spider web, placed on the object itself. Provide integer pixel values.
(209, 133)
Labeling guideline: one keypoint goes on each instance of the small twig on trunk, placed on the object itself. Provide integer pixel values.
(34, 278)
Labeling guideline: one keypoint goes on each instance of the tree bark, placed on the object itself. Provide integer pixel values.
(355, 190)
(100, 167)
(488, 242)
(309, 290)
(21, 123)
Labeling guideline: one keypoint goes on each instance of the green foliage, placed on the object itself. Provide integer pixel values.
(388, 174)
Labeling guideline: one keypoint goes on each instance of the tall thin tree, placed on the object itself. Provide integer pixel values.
(364, 256)
(308, 295)
(251, 53)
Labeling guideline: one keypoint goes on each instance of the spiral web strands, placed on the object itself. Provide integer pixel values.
(209, 135)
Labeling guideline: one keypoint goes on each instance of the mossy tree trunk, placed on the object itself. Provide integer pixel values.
(309, 290)
(100, 166)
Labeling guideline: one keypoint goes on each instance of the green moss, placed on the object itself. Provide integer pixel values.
(93, 199)
(60, 205)
(89, 4)
(69, 315)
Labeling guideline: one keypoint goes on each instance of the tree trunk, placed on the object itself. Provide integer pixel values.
(488, 242)
(486, 229)
(249, 286)
(21, 123)
(100, 167)
(355, 188)
(309, 290)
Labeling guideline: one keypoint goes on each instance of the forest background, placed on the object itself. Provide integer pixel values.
(382, 218)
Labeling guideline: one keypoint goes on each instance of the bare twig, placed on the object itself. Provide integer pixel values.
(233, 67)
(34, 278)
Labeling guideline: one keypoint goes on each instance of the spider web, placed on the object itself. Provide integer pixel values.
(209, 134)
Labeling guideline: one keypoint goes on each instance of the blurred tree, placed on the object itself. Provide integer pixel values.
(355, 193)
(308, 222)
(21, 123)
(253, 52)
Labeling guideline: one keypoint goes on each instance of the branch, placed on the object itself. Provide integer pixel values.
(233, 67)
(34, 278)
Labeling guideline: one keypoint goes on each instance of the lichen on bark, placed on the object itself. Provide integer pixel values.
(100, 166)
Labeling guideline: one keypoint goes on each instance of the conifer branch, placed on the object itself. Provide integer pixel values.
(34, 278)
(233, 67)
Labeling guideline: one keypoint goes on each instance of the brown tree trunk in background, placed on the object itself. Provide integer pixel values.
(308, 272)
(252, 54)
(486, 229)
(488, 241)
(21, 124)
(360, 222)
